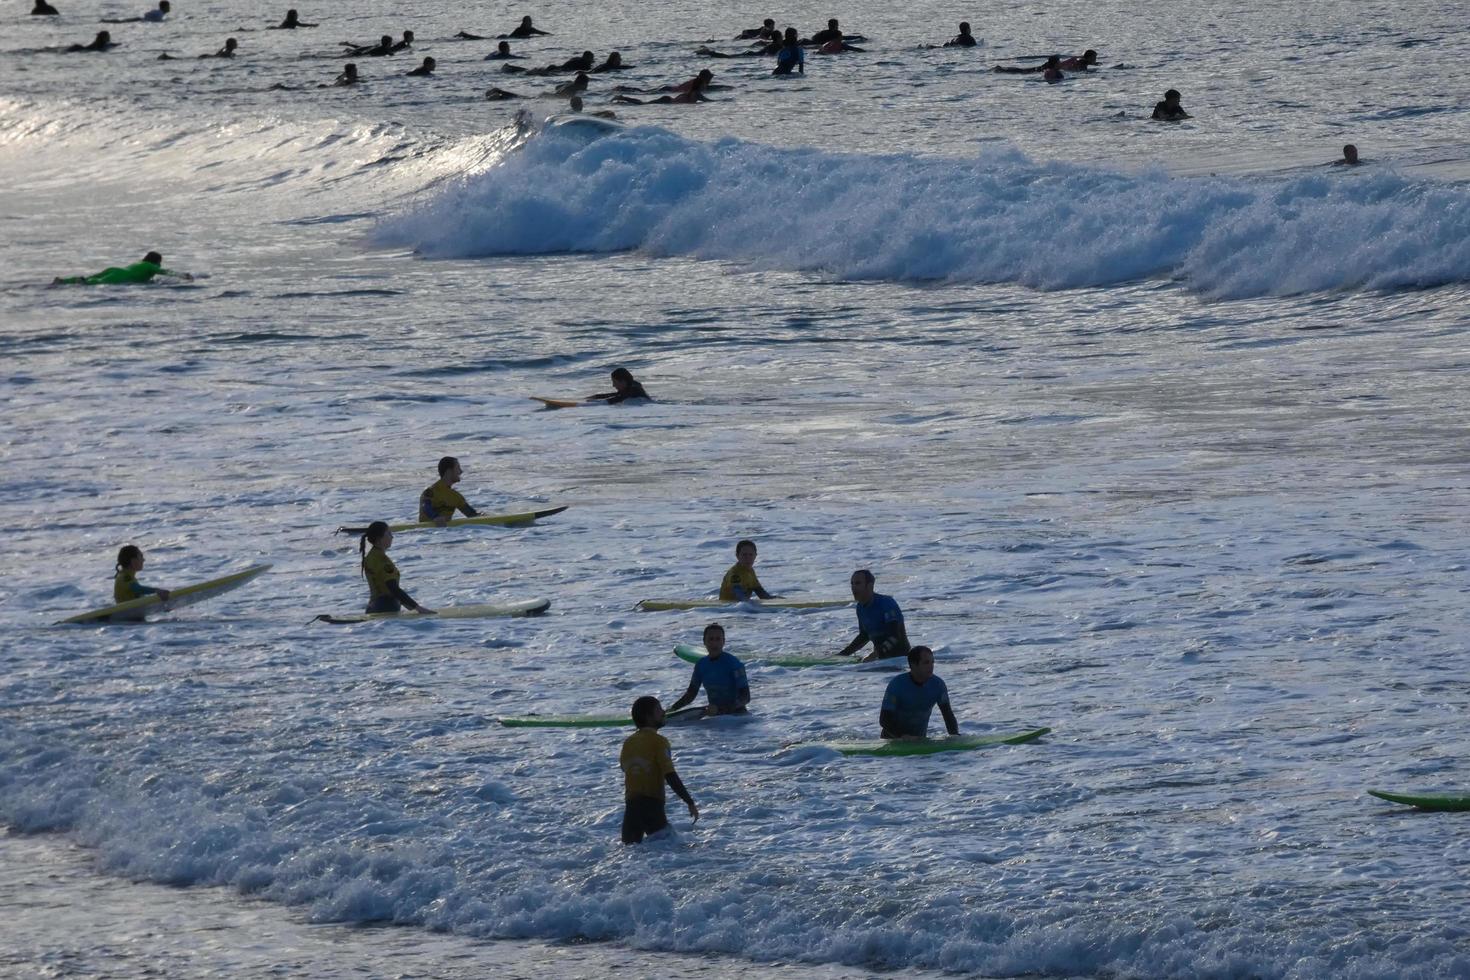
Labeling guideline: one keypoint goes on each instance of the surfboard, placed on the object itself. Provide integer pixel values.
(526, 517)
(664, 605)
(928, 746)
(136, 609)
(691, 713)
(1442, 803)
(528, 607)
(694, 655)
(557, 402)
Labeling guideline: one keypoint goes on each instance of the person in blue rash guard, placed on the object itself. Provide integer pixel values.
(911, 698)
(721, 675)
(880, 621)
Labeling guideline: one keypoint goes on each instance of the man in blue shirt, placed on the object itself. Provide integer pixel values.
(721, 675)
(880, 621)
(911, 698)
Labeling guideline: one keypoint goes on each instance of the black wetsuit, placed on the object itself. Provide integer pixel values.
(635, 390)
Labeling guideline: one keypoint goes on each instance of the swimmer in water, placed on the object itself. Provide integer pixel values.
(383, 47)
(406, 43)
(765, 32)
(582, 62)
(791, 57)
(964, 39)
(228, 51)
(1349, 157)
(44, 9)
(154, 16)
(625, 388)
(291, 22)
(102, 42)
(138, 272)
(836, 47)
(422, 71)
(1053, 63)
(502, 52)
(575, 105)
(1083, 62)
(348, 77)
(1170, 110)
(500, 95)
(578, 84)
(525, 30)
(832, 33)
(614, 62)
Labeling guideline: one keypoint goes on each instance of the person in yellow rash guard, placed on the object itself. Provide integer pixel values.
(138, 272)
(440, 501)
(125, 584)
(740, 582)
(387, 596)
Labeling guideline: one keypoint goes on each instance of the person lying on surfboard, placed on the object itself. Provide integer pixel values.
(625, 388)
(125, 584)
(740, 582)
(138, 272)
(441, 500)
(721, 676)
(647, 762)
(880, 621)
(386, 595)
(911, 698)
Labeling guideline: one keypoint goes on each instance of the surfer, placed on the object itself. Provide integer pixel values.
(1170, 110)
(614, 62)
(502, 52)
(880, 621)
(574, 104)
(422, 71)
(125, 584)
(765, 32)
(102, 42)
(153, 16)
(138, 272)
(964, 39)
(578, 84)
(44, 9)
(911, 698)
(228, 51)
(441, 500)
(647, 762)
(383, 47)
(1083, 62)
(500, 95)
(404, 44)
(524, 31)
(1051, 64)
(686, 93)
(386, 595)
(832, 33)
(721, 675)
(348, 76)
(582, 62)
(1349, 157)
(791, 57)
(291, 22)
(740, 582)
(625, 388)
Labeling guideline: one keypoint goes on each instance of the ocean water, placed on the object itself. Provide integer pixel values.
(1155, 432)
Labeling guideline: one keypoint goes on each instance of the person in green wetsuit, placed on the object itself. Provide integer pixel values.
(138, 272)
(125, 584)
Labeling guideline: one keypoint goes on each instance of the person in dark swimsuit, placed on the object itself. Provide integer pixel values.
(964, 39)
(524, 31)
(291, 22)
(625, 387)
(1170, 110)
(424, 70)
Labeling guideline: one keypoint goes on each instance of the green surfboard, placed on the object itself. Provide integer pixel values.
(528, 607)
(694, 655)
(1442, 803)
(692, 713)
(484, 520)
(928, 746)
(135, 610)
(664, 605)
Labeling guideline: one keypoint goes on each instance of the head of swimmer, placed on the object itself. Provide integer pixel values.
(862, 586)
(648, 712)
(921, 664)
(1350, 154)
(621, 379)
(714, 639)
(153, 257)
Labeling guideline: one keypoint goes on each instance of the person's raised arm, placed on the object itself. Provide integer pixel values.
(677, 785)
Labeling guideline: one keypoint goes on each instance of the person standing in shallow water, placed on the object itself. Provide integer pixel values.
(880, 621)
(385, 594)
(125, 584)
(647, 762)
(912, 697)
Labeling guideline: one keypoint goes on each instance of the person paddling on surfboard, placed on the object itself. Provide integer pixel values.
(441, 500)
(721, 676)
(138, 272)
(647, 762)
(740, 582)
(911, 698)
(125, 584)
(387, 596)
(880, 621)
(625, 388)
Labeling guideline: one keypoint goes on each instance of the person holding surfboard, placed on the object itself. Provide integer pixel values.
(125, 584)
(387, 595)
(740, 582)
(624, 388)
(880, 621)
(721, 676)
(647, 762)
(911, 697)
(441, 500)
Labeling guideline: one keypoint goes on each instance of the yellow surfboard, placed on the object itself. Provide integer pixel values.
(134, 610)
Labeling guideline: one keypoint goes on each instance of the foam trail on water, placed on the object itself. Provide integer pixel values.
(997, 219)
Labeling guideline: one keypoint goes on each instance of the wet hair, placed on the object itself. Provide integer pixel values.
(964, 27)
(446, 464)
(429, 63)
(128, 554)
(741, 544)
(1173, 93)
(832, 24)
(408, 35)
(916, 652)
(1089, 55)
(866, 574)
(153, 257)
(622, 374)
(371, 536)
(768, 22)
(713, 626)
(163, 5)
(643, 709)
(503, 46)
